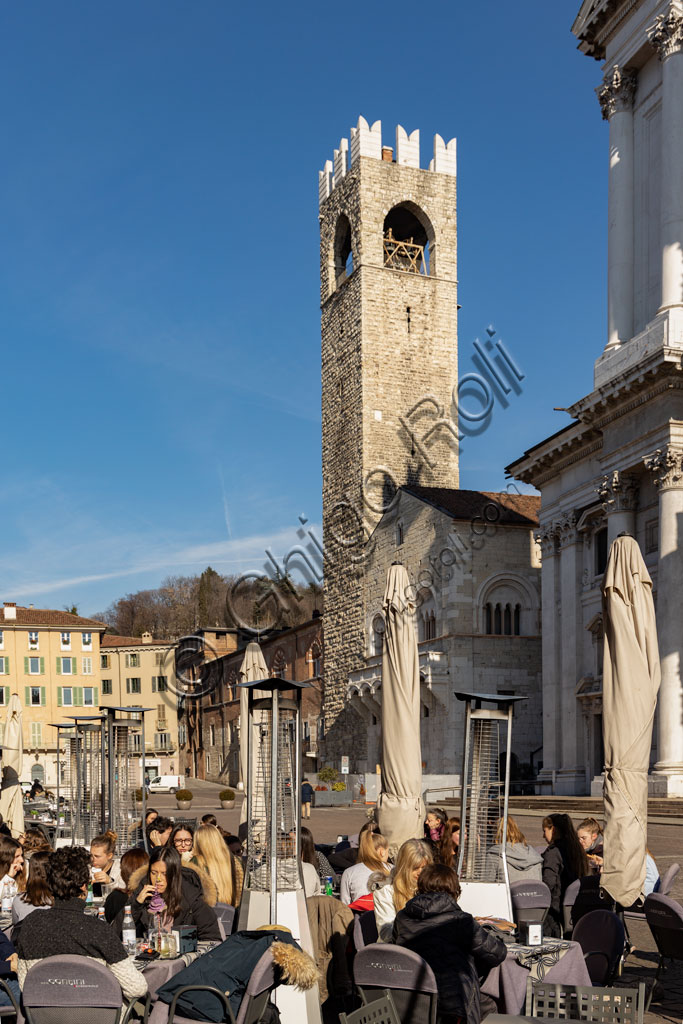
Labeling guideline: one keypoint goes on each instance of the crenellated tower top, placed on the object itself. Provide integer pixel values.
(367, 141)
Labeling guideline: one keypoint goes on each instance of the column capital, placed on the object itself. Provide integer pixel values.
(566, 529)
(618, 492)
(666, 466)
(547, 538)
(617, 91)
(666, 32)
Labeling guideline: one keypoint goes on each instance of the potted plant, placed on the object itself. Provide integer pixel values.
(183, 799)
(227, 799)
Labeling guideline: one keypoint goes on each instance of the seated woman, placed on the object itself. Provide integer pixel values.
(455, 946)
(37, 895)
(12, 871)
(434, 827)
(309, 855)
(564, 860)
(34, 840)
(182, 901)
(223, 868)
(106, 866)
(64, 928)
(393, 892)
(590, 837)
(373, 854)
(182, 840)
(449, 845)
(522, 860)
(117, 900)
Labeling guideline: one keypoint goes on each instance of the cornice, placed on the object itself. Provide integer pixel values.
(597, 22)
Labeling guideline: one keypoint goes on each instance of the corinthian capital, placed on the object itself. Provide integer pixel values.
(666, 466)
(666, 32)
(617, 91)
(566, 529)
(547, 538)
(618, 492)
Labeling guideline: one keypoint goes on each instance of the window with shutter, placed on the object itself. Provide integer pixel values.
(106, 687)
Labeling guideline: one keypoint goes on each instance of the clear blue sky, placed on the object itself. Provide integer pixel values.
(159, 302)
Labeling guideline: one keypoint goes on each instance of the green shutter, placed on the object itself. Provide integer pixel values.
(28, 696)
(95, 701)
(59, 696)
(154, 684)
(42, 666)
(59, 666)
(6, 689)
(7, 668)
(25, 666)
(74, 666)
(42, 695)
(78, 696)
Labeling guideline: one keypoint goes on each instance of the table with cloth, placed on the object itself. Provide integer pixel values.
(557, 960)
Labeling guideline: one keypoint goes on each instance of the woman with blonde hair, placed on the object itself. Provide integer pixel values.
(392, 893)
(223, 868)
(522, 860)
(373, 854)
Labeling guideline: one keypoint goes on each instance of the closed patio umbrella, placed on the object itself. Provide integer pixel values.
(400, 810)
(630, 683)
(11, 797)
(253, 667)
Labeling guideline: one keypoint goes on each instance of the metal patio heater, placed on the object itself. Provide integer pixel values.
(273, 884)
(485, 792)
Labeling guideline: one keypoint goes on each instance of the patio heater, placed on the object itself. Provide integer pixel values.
(485, 793)
(125, 771)
(273, 885)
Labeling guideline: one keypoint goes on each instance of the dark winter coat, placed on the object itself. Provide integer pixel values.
(557, 876)
(454, 945)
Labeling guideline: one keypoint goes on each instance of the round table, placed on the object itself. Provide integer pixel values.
(506, 983)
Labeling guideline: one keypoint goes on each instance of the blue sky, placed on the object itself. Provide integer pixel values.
(159, 296)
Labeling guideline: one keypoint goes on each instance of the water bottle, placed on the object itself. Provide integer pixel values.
(6, 899)
(128, 935)
(89, 897)
(329, 887)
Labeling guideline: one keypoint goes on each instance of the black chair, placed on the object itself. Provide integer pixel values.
(365, 929)
(567, 904)
(254, 1001)
(382, 967)
(581, 1002)
(666, 883)
(590, 897)
(74, 989)
(225, 914)
(530, 901)
(602, 939)
(665, 919)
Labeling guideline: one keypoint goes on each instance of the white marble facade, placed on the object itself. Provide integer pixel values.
(619, 465)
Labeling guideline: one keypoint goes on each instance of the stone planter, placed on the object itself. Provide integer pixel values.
(184, 805)
(227, 805)
(332, 798)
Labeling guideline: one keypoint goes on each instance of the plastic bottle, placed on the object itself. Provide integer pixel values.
(7, 898)
(100, 914)
(89, 897)
(329, 886)
(128, 935)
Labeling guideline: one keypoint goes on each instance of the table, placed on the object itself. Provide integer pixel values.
(507, 982)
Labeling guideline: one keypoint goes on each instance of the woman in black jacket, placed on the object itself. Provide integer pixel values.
(166, 896)
(455, 946)
(564, 860)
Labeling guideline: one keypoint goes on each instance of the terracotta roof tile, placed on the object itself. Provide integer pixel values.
(112, 640)
(50, 617)
(515, 509)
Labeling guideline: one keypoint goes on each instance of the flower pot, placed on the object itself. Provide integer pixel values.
(227, 805)
(184, 805)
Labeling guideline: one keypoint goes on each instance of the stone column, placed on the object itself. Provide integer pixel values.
(619, 494)
(572, 774)
(666, 36)
(550, 633)
(666, 464)
(616, 102)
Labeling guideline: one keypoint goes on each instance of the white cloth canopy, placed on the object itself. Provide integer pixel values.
(400, 810)
(630, 682)
(253, 667)
(11, 797)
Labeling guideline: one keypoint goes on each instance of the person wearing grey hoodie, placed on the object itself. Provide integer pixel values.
(523, 861)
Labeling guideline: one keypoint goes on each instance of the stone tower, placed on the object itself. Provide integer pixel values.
(389, 364)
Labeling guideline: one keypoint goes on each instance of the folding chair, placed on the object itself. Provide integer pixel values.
(254, 1001)
(602, 938)
(382, 967)
(73, 988)
(381, 1011)
(225, 913)
(364, 929)
(583, 1002)
(12, 1010)
(665, 918)
(666, 882)
(567, 904)
(530, 901)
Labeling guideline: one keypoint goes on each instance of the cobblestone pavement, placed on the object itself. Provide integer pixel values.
(665, 843)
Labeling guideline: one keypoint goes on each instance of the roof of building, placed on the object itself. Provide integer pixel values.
(48, 617)
(515, 509)
(113, 640)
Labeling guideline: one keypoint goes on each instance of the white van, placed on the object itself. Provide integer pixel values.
(166, 783)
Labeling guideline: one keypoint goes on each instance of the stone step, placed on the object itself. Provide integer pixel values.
(587, 806)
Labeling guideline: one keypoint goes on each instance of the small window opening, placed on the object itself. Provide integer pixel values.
(408, 317)
(508, 620)
(497, 624)
(489, 619)
(518, 612)
(343, 252)
(406, 245)
(601, 551)
(399, 534)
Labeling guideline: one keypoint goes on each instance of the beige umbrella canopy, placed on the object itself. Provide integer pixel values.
(11, 797)
(400, 810)
(253, 667)
(630, 683)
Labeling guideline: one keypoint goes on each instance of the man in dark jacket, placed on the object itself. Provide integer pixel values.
(455, 946)
(306, 797)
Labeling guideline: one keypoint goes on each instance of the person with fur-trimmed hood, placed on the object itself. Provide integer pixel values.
(172, 894)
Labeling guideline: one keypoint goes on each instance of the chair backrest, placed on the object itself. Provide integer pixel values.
(406, 975)
(667, 880)
(583, 1002)
(71, 988)
(568, 902)
(173, 1017)
(591, 896)
(261, 984)
(530, 901)
(365, 929)
(665, 918)
(602, 938)
(380, 1011)
(225, 914)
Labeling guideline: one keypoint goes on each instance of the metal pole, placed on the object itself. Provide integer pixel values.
(274, 736)
(251, 852)
(111, 765)
(506, 793)
(463, 791)
(297, 780)
(144, 788)
(103, 776)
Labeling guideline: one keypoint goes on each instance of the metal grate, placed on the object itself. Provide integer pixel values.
(579, 1002)
(259, 835)
(484, 795)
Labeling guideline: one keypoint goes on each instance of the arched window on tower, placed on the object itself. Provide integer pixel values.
(426, 615)
(507, 621)
(407, 239)
(497, 624)
(518, 615)
(377, 634)
(343, 252)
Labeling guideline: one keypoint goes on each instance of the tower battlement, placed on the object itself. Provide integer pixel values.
(367, 141)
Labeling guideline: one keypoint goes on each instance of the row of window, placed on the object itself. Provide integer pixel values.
(65, 640)
(67, 696)
(502, 620)
(36, 666)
